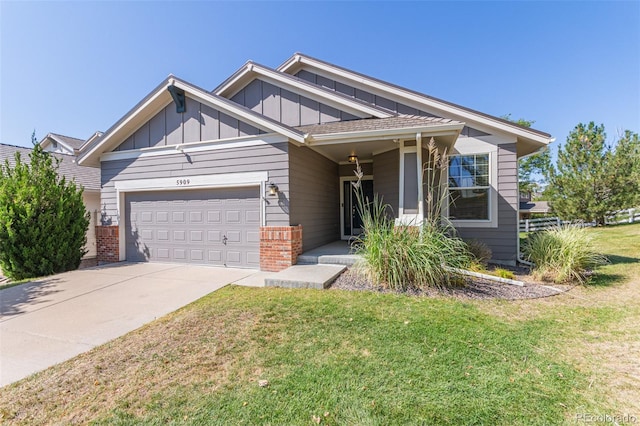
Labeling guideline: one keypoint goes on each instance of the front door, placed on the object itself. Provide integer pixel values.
(350, 219)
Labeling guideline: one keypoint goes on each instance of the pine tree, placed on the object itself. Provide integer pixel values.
(591, 179)
(43, 221)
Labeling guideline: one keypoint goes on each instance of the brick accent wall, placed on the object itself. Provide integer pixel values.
(107, 244)
(279, 247)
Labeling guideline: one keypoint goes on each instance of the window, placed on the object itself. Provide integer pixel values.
(469, 187)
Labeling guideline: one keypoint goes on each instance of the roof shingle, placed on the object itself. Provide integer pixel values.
(367, 124)
(88, 177)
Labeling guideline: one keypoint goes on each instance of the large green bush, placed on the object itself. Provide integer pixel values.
(562, 254)
(43, 221)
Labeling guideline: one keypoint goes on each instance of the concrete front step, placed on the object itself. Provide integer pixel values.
(305, 276)
(328, 259)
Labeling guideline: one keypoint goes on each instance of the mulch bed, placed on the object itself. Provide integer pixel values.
(472, 289)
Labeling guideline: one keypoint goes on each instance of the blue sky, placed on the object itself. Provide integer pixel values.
(77, 67)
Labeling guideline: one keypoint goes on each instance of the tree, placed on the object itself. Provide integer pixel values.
(626, 163)
(592, 179)
(531, 169)
(43, 221)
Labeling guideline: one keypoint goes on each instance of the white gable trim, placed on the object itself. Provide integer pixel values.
(298, 62)
(46, 142)
(191, 147)
(159, 99)
(359, 109)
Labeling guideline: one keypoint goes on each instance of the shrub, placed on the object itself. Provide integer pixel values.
(504, 273)
(480, 252)
(562, 254)
(403, 257)
(43, 221)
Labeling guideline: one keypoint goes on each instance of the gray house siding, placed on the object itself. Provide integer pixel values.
(503, 239)
(198, 123)
(314, 196)
(271, 158)
(386, 169)
(377, 100)
(287, 107)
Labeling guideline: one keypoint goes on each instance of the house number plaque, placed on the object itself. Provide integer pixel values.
(183, 182)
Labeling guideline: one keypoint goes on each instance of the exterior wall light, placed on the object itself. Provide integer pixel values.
(352, 158)
(273, 189)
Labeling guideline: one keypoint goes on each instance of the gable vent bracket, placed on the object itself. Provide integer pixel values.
(178, 98)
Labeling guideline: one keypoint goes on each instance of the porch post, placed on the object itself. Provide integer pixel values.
(420, 177)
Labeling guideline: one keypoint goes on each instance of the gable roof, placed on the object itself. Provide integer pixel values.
(251, 70)
(301, 61)
(71, 145)
(88, 177)
(160, 98)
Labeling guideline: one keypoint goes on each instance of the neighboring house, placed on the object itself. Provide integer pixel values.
(529, 207)
(87, 177)
(259, 169)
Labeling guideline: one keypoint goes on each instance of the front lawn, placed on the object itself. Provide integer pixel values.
(341, 357)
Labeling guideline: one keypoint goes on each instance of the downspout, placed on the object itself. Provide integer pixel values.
(519, 257)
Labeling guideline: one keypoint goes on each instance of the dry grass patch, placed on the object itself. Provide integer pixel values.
(190, 348)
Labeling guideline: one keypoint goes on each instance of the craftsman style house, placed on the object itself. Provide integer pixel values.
(259, 169)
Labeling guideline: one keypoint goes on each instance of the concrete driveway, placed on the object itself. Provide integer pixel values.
(54, 319)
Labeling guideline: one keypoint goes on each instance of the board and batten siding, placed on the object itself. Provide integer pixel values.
(374, 99)
(198, 123)
(287, 107)
(314, 196)
(272, 158)
(503, 240)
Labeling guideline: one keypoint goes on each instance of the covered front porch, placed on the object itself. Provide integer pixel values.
(393, 158)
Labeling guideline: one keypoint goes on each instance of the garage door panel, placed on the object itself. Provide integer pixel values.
(234, 237)
(195, 217)
(253, 237)
(191, 226)
(233, 216)
(215, 256)
(196, 236)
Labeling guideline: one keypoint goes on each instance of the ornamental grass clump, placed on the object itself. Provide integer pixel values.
(415, 256)
(562, 254)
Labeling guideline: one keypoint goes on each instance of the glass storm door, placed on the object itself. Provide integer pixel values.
(351, 219)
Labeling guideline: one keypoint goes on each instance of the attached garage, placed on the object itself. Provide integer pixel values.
(218, 226)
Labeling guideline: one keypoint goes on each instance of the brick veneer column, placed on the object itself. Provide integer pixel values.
(279, 247)
(108, 244)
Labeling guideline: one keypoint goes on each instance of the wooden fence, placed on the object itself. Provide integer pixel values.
(622, 216)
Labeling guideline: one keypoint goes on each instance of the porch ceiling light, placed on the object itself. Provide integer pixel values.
(273, 189)
(352, 158)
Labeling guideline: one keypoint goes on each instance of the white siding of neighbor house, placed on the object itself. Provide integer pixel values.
(92, 204)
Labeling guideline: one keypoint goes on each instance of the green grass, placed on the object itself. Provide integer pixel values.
(621, 245)
(338, 357)
(363, 358)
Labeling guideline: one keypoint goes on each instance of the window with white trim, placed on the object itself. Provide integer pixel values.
(469, 187)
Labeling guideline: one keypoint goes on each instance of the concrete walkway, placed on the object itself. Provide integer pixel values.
(45, 322)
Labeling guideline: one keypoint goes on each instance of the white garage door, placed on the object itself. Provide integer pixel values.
(205, 226)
